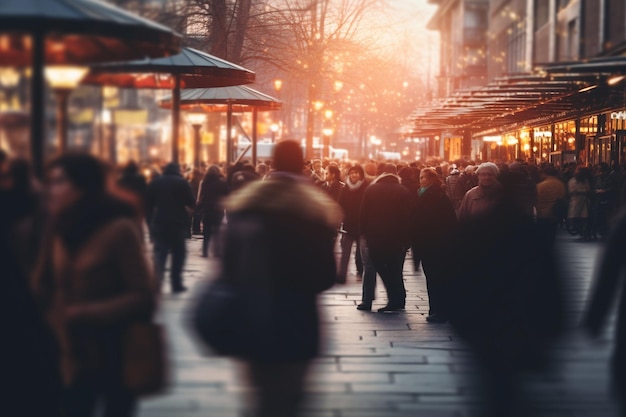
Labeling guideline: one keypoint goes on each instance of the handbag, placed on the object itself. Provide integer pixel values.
(233, 320)
(144, 358)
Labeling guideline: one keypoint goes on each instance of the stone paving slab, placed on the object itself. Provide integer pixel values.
(389, 365)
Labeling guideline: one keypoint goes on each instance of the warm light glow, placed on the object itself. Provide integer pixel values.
(327, 132)
(278, 84)
(318, 105)
(492, 139)
(9, 77)
(338, 85)
(328, 114)
(589, 88)
(196, 118)
(614, 80)
(274, 127)
(65, 77)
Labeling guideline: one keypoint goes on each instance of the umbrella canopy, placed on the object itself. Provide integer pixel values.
(72, 32)
(194, 68)
(228, 99)
(79, 32)
(240, 98)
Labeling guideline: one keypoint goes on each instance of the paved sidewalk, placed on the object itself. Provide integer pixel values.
(388, 365)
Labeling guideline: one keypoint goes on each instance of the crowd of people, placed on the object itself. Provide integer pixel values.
(483, 234)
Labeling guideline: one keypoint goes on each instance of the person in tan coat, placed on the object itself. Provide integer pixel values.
(92, 281)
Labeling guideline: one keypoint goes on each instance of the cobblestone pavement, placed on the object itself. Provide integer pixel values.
(389, 365)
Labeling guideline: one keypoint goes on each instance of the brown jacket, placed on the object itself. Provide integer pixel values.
(89, 298)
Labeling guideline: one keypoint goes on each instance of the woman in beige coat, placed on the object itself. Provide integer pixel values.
(93, 280)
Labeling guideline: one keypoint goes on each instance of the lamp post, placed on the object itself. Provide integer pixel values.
(274, 129)
(63, 79)
(327, 132)
(196, 120)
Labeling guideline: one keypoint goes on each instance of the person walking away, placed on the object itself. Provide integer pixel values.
(213, 190)
(485, 195)
(452, 181)
(384, 223)
(93, 281)
(170, 201)
(133, 182)
(195, 179)
(435, 220)
(609, 278)
(279, 242)
(350, 201)
(550, 201)
(579, 188)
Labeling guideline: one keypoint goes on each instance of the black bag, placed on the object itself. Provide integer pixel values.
(231, 319)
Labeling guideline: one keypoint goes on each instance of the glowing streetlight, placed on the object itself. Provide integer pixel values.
(63, 79)
(274, 128)
(278, 85)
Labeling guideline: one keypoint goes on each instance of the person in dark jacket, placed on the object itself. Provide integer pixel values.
(133, 182)
(279, 239)
(212, 191)
(385, 214)
(350, 201)
(435, 220)
(609, 279)
(333, 184)
(170, 201)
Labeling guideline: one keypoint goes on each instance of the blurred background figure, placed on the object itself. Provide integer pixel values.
(435, 220)
(279, 242)
(93, 280)
(385, 225)
(29, 353)
(484, 196)
(195, 179)
(333, 184)
(133, 182)
(213, 190)
(169, 203)
(579, 188)
(608, 281)
(501, 266)
(350, 201)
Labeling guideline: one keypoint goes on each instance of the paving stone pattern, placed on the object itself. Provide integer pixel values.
(389, 365)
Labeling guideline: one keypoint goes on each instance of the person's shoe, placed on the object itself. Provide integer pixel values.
(390, 308)
(436, 318)
(179, 290)
(364, 307)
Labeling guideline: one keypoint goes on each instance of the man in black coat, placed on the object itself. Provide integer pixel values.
(170, 201)
(384, 224)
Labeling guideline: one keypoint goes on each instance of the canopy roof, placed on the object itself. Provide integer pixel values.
(242, 99)
(79, 32)
(527, 99)
(195, 68)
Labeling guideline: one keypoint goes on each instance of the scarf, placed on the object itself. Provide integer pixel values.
(354, 186)
(422, 190)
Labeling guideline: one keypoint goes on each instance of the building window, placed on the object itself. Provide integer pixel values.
(542, 13)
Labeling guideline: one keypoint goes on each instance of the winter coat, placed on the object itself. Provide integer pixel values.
(477, 202)
(434, 219)
(104, 273)
(279, 239)
(548, 192)
(210, 205)
(168, 197)
(579, 193)
(385, 215)
(350, 201)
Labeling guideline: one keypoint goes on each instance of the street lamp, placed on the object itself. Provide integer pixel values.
(327, 132)
(196, 120)
(274, 129)
(63, 79)
(278, 85)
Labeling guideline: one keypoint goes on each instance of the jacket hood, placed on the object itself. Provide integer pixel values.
(288, 196)
(172, 169)
(387, 179)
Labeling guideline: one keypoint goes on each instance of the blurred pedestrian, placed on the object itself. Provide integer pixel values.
(93, 281)
(333, 184)
(579, 189)
(485, 195)
(435, 220)
(133, 182)
(170, 201)
(385, 225)
(350, 201)
(210, 205)
(452, 181)
(551, 203)
(195, 179)
(279, 243)
(606, 288)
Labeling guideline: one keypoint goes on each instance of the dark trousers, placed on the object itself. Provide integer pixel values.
(436, 286)
(163, 246)
(196, 221)
(369, 274)
(278, 387)
(209, 229)
(388, 264)
(347, 242)
(82, 398)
